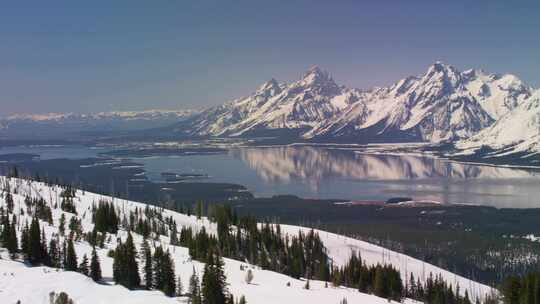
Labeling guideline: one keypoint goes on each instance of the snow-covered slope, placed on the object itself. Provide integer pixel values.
(33, 285)
(497, 94)
(516, 131)
(442, 104)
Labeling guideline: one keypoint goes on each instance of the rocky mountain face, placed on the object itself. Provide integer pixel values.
(443, 104)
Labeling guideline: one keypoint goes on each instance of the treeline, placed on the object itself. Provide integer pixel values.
(438, 291)
(36, 250)
(67, 195)
(240, 238)
(381, 280)
(522, 290)
(104, 217)
(385, 281)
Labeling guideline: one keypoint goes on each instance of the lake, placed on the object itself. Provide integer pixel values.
(322, 172)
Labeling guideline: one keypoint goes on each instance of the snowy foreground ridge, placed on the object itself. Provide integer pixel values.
(33, 284)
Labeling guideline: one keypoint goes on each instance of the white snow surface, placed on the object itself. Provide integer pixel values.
(33, 284)
(517, 131)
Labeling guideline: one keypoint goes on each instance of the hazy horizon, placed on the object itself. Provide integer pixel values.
(102, 56)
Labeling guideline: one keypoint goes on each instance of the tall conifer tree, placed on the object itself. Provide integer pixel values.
(95, 266)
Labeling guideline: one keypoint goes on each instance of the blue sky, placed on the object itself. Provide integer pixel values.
(129, 55)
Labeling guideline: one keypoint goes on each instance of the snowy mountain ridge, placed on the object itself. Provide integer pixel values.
(442, 104)
(518, 131)
(146, 114)
(296, 106)
(62, 124)
(33, 284)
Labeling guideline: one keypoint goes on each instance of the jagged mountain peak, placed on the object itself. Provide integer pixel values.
(269, 88)
(474, 73)
(272, 83)
(440, 72)
(319, 79)
(440, 66)
(315, 72)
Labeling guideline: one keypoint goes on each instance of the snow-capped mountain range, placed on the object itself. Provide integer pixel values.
(472, 108)
(61, 124)
(444, 104)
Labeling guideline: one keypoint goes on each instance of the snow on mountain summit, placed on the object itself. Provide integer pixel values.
(319, 81)
(296, 106)
(441, 104)
(432, 107)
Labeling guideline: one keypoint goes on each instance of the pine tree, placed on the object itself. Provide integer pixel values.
(163, 266)
(62, 225)
(45, 259)
(4, 236)
(411, 288)
(213, 282)
(54, 254)
(157, 266)
(132, 267)
(9, 202)
(25, 239)
(380, 284)
(194, 289)
(169, 288)
(34, 252)
(70, 256)
(179, 287)
(8, 237)
(146, 253)
(105, 218)
(125, 266)
(173, 235)
(466, 299)
(118, 264)
(83, 267)
(95, 267)
(13, 243)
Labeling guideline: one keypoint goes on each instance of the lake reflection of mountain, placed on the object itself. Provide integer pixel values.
(283, 164)
(320, 172)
